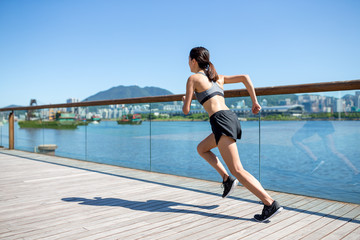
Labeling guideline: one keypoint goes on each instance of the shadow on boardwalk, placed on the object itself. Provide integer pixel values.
(152, 206)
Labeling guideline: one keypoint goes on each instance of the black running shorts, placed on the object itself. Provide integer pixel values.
(225, 122)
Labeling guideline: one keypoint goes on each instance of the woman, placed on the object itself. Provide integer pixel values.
(208, 88)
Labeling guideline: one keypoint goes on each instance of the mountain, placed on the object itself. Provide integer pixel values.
(121, 91)
(12, 106)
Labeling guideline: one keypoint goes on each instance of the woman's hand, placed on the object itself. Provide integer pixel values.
(256, 108)
(183, 98)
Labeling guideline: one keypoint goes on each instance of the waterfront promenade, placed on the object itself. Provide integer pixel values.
(47, 197)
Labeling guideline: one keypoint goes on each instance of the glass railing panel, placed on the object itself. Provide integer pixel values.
(309, 145)
(50, 131)
(174, 140)
(4, 130)
(28, 130)
(119, 135)
(175, 137)
(65, 128)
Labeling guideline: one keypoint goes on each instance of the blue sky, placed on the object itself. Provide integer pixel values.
(55, 50)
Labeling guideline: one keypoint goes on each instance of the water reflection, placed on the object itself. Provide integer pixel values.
(325, 130)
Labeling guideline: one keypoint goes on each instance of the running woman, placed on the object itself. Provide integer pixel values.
(208, 87)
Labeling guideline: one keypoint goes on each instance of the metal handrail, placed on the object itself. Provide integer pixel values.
(287, 89)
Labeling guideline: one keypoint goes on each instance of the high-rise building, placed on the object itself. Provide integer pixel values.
(71, 100)
(357, 99)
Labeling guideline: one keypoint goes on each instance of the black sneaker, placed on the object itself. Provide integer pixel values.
(268, 212)
(229, 186)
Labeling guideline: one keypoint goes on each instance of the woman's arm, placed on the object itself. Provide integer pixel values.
(245, 79)
(188, 96)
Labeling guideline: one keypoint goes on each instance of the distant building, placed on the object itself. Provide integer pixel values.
(339, 106)
(239, 105)
(169, 107)
(71, 100)
(264, 102)
(294, 110)
(285, 102)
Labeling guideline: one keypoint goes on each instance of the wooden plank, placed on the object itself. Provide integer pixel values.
(244, 214)
(344, 231)
(332, 224)
(93, 185)
(195, 220)
(129, 223)
(104, 219)
(109, 204)
(354, 235)
(133, 230)
(348, 227)
(315, 221)
(299, 222)
(288, 217)
(232, 227)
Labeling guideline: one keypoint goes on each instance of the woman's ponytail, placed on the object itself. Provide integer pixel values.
(211, 73)
(202, 56)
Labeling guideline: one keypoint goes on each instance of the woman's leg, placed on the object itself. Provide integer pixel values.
(204, 148)
(229, 152)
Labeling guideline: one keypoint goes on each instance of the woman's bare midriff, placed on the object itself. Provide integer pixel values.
(215, 104)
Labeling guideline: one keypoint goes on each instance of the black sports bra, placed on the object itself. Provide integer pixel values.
(214, 90)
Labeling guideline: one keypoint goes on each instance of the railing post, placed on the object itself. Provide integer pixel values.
(11, 130)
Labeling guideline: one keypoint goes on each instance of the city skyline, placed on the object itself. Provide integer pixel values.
(309, 103)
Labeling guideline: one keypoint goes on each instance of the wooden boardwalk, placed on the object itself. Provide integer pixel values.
(44, 197)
